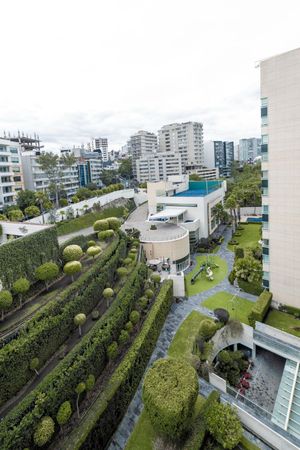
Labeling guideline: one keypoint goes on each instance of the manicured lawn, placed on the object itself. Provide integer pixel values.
(202, 283)
(250, 236)
(283, 321)
(238, 310)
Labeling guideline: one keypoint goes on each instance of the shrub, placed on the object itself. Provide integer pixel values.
(34, 364)
(222, 315)
(79, 321)
(156, 278)
(32, 211)
(149, 293)
(114, 223)
(142, 303)
(122, 272)
(112, 350)
(47, 272)
(254, 288)
(127, 261)
(15, 215)
(63, 202)
(75, 199)
(101, 225)
(94, 250)
(124, 337)
(44, 431)
(207, 328)
(72, 267)
(134, 317)
(170, 391)
(233, 242)
(153, 227)
(20, 287)
(260, 308)
(72, 253)
(239, 252)
(64, 413)
(223, 423)
(231, 277)
(90, 382)
(105, 235)
(129, 327)
(95, 314)
(5, 301)
(91, 243)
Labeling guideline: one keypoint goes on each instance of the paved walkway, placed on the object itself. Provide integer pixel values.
(178, 313)
(83, 232)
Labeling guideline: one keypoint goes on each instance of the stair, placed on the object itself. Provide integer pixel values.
(281, 407)
(294, 419)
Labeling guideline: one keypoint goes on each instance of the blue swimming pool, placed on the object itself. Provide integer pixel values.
(194, 193)
(254, 219)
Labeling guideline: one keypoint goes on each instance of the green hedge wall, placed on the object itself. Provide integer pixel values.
(48, 329)
(20, 257)
(251, 288)
(260, 308)
(88, 357)
(102, 419)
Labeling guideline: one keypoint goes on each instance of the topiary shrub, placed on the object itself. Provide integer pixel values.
(21, 286)
(260, 308)
(44, 431)
(170, 392)
(207, 328)
(90, 382)
(5, 301)
(134, 317)
(79, 321)
(91, 243)
(156, 278)
(129, 327)
(72, 267)
(223, 423)
(105, 235)
(123, 337)
(122, 272)
(101, 225)
(95, 314)
(114, 223)
(47, 272)
(72, 253)
(94, 250)
(142, 303)
(231, 277)
(127, 261)
(64, 413)
(149, 293)
(112, 350)
(239, 252)
(222, 315)
(108, 293)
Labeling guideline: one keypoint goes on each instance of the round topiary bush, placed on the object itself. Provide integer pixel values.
(114, 223)
(123, 337)
(207, 328)
(93, 250)
(223, 423)
(134, 317)
(64, 413)
(5, 301)
(91, 243)
(44, 431)
(72, 253)
(105, 235)
(101, 225)
(155, 277)
(129, 327)
(221, 314)
(149, 293)
(127, 261)
(170, 392)
(72, 267)
(47, 272)
(122, 272)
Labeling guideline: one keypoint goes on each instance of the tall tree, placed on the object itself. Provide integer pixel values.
(25, 198)
(49, 163)
(125, 169)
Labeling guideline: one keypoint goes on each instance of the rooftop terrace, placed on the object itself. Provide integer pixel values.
(199, 188)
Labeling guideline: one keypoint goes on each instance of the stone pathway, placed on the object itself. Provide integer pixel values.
(179, 311)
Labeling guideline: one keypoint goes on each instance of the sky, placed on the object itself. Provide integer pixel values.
(72, 70)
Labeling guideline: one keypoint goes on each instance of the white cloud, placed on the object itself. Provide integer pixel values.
(71, 70)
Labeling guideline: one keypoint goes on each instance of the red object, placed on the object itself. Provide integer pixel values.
(245, 384)
(242, 391)
(247, 376)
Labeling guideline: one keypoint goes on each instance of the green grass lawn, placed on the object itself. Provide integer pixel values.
(283, 321)
(202, 283)
(250, 236)
(238, 310)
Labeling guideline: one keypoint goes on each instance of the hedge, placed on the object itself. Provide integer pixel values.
(290, 310)
(103, 417)
(20, 257)
(88, 357)
(50, 327)
(251, 288)
(260, 308)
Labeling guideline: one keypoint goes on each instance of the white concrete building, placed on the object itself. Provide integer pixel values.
(158, 166)
(184, 138)
(249, 149)
(37, 180)
(11, 175)
(203, 172)
(141, 144)
(100, 145)
(280, 125)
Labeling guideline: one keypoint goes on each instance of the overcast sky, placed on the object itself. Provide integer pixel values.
(71, 70)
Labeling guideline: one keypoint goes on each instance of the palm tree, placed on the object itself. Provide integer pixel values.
(231, 204)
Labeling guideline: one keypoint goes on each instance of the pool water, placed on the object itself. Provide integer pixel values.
(254, 219)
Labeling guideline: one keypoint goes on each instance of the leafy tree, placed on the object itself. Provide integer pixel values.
(15, 215)
(106, 235)
(91, 186)
(63, 202)
(123, 337)
(83, 193)
(67, 160)
(79, 321)
(75, 199)
(90, 382)
(231, 204)
(94, 251)
(47, 272)
(25, 198)
(134, 317)
(114, 223)
(43, 202)
(195, 177)
(3, 217)
(109, 177)
(156, 278)
(108, 293)
(122, 272)
(49, 163)
(223, 423)
(64, 413)
(72, 253)
(32, 211)
(248, 269)
(72, 267)
(44, 431)
(129, 327)
(125, 168)
(149, 293)
(80, 388)
(5, 301)
(112, 350)
(34, 364)
(21, 286)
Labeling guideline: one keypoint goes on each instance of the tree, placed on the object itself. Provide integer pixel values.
(32, 211)
(63, 202)
(125, 168)
(79, 321)
(64, 413)
(113, 223)
(44, 431)
(3, 217)
(134, 317)
(195, 177)
(80, 388)
(90, 382)
(75, 199)
(112, 351)
(72, 253)
(108, 293)
(43, 201)
(83, 193)
(25, 198)
(106, 235)
(156, 278)
(15, 215)
(109, 177)
(248, 269)
(49, 163)
(101, 225)
(34, 364)
(67, 160)
(47, 272)
(5, 301)
(219, 212)
(149, 293)
(94, 251)
(21, 286)
(91, 186)
(72, 267)
(231, 204)
(223, 423)
(122, 272)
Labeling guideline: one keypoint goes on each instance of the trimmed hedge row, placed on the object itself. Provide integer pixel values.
(20, 257)
(88, 357)
(101, 421)
(48, 329)
(260, 308)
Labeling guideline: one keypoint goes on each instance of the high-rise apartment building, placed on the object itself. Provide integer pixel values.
(249, 149)
(184, 138)
(280, 150)
(141, 144)
(100, 145)
(11, 176)
(158, 167)
(219, 154)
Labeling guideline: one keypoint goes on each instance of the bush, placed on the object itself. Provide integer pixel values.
(124, 337)
(72, 267)
(20, 287)
(91, 243)
(223, 423)
(5, 301)
(122, 272)
(222, 315)
(47, 272)
(239, 252)
(231, 277)
(149, 293)
(127, 261)
(95, 314)
(142, 303)
(260, 308)
(153, 227)
(134, 317)
(64, 413)
(72, 253)
(90, 382)
(94, 250)
(77, 240)
(32, 211)
(156, 278)
(44, 431)
(254, 288)
(114, 223)
(233, 242)
(129, 327)
(207, 328)
(170, 391)
(101, 225)
(105, 235)
(112, 350)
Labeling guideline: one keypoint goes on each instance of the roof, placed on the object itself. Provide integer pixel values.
(167, 214)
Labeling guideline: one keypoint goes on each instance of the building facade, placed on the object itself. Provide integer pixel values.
(100, 145)
(11, 174)
(158, 167)
(249, 149)
(141, 144)
(280, 149)
(219, 154)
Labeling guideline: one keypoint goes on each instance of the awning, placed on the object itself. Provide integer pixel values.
(166, 214)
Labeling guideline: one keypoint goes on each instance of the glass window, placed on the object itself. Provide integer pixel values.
(13, 150)
(264, 157)
(264, 101)
(265, 191)
(265, 209)
(264, 174)
(266, 259)
(265, 139)
(266, 275)
(15, 160)
(265, 225)
(264, 121)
